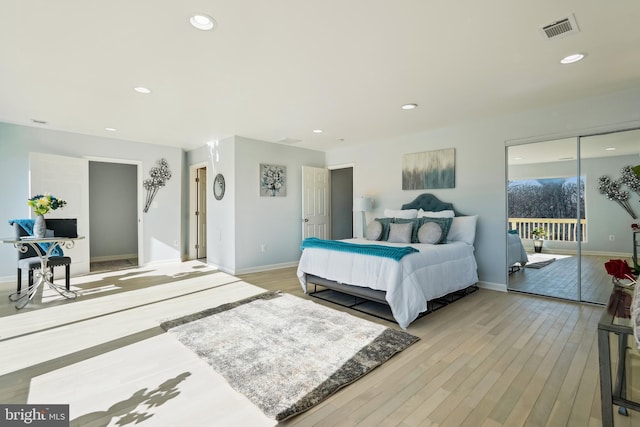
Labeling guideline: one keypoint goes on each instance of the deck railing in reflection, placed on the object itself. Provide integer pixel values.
(558, 229)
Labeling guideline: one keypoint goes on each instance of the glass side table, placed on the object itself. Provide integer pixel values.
(636, 243)
(619, 357)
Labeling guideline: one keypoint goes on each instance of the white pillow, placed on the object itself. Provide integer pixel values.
(430, 232)
(374, 230)
(400, 233)
(439, 214)
(401, 213)
(463, 229)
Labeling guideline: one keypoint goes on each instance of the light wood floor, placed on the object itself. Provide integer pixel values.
(559, 279)
(489, 359)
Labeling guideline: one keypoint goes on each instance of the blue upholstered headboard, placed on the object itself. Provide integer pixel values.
(429, 202)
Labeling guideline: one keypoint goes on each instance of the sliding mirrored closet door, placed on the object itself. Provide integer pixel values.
(608, 233)
(543, 200)
(555, 187)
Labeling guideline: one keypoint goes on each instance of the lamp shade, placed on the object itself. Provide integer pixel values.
(362, 204)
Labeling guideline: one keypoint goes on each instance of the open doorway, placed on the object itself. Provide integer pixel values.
(114, 244)
(341, 203)
(198, 216)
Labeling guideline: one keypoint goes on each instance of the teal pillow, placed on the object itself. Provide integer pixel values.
(444, 223)
(385, 227)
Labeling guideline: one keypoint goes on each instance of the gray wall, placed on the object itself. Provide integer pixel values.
(243, 222)
(480, 164)
(113, 217)
(161, 226)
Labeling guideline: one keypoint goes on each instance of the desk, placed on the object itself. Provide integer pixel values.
(43, 275)
(615, 327)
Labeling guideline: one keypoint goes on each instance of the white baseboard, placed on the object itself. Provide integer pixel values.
(262, 268)
(113, 257)
(546, 250)
(500, 287)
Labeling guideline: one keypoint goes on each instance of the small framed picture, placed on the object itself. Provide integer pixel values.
(273, 180)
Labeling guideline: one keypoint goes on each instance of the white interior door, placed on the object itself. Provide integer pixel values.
(66, 178)
(315, 202)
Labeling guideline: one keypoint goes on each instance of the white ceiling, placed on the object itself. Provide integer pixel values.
(279, 69)
(625, 143)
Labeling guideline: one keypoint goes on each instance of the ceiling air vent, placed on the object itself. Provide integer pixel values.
(561, 28)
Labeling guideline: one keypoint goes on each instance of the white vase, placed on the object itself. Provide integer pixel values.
(39, 227)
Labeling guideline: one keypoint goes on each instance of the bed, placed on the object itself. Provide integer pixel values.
(430, 276)
(517, 256)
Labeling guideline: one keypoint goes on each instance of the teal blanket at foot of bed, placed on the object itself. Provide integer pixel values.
(393, 252)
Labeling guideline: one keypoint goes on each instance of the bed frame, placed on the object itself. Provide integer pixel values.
(372, 301)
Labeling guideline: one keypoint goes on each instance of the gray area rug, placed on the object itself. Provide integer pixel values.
(540, 264)
(284, 353)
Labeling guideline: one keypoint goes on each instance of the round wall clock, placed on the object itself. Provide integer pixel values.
(218, 187)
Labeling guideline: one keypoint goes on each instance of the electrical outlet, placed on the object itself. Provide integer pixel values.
(176, 243)
(612, 237)
(263, 247)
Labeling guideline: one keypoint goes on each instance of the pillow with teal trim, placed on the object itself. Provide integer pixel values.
(444, 223)
(400, 233)
(430, 232)
(415, 225)
(385, 227)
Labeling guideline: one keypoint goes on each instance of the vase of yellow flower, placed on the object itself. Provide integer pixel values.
(42, 204)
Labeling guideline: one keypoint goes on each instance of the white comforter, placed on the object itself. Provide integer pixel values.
(515, 250)
(433, 272)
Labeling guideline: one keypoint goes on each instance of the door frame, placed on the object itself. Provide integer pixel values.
(193, 206)
(140, 199)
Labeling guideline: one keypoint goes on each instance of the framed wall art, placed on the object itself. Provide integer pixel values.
(429, 170)
(273, 180)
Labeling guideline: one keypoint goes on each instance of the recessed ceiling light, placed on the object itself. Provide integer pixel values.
(570, 59)
(610, 149)
(111, 129)
(202, 22)
(409, 106)
(317, 131)
(517, 158)
(141, 89)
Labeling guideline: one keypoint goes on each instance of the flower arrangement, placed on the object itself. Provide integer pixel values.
(44, 203)
(159, 176)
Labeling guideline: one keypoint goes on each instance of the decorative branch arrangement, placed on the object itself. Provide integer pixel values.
(630, 178)
(159, 176)
(611, 189)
